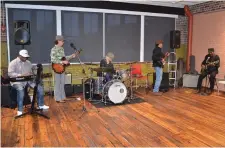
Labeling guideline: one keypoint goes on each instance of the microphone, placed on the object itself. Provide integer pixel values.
(207, 59)
(72, 45)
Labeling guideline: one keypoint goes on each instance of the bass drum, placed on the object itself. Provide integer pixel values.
(115, 91)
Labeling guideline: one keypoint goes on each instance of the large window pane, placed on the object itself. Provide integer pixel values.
(85, 31)
(122, 36)
(157, 28)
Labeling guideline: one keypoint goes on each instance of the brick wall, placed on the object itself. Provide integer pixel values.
(3, 34)
(206, 7)
(182, 25)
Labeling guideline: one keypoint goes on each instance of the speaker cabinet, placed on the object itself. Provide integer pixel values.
(174, 39)
(68, 89)
(9, 97)
(77, 88)
(164, 83)
(22, 32)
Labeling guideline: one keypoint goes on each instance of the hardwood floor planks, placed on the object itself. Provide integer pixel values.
(179, 118)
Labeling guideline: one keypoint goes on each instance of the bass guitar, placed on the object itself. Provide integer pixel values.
(60, 67)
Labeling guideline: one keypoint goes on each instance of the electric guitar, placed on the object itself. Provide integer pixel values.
(60, 67)
(163, 62)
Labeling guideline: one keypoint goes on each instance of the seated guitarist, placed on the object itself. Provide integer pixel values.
(210, 67)
(158, 60)
(57, 53)
(22, 67)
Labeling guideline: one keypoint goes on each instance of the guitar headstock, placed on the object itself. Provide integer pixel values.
(167, 54)
(78, 51)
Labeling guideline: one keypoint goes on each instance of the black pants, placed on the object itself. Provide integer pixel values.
(212, 79)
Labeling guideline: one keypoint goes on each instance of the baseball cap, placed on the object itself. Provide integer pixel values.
(159, 42)
(110, 55)
(210, 50)
(59, 38)
(24, 53)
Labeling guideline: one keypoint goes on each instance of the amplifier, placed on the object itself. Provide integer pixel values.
(164, 86)
(68, 89)
(77, 88)
(68, 78)
(190, 80)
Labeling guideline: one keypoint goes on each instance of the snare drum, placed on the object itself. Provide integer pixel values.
(115, 91)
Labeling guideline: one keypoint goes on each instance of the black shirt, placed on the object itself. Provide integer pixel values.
(103, 63)
(157, 57)
(209, 59)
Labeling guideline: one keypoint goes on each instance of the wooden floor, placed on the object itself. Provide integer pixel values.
(178, 118)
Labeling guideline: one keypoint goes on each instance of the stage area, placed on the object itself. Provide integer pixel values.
(178, 118)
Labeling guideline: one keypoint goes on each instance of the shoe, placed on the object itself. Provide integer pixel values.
(157, 93)
(67, 99)
(62, 101)
(210, 92)
(44, 107)
(19, 113)
(197, 92)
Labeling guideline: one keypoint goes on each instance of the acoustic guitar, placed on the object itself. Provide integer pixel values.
(205, 70)
(60, 67)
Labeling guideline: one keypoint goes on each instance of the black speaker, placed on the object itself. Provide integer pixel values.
(68, 89)
(77, 88)
(174, 39)
(22, 32)
(164, 83)
(9, 97)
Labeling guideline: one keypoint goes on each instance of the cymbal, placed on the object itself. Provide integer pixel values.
(130, 69)
(102, 69)
(91, 64)
(132, 62)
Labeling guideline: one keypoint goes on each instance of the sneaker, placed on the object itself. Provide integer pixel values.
(19, 113)
(44, 107)
(157, 93)
(61, 101)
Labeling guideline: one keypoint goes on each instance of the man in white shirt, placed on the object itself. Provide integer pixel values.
(22, 67)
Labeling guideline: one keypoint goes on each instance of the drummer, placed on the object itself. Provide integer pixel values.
(107, 63)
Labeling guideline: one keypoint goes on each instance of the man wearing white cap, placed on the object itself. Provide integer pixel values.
(22, 67)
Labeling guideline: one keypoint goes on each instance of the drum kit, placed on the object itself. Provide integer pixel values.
(115, 90)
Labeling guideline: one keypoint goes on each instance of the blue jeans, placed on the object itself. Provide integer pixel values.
(20, 95)
(159, 72)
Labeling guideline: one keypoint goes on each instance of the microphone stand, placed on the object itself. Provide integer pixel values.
(84, 109)
(34, 110)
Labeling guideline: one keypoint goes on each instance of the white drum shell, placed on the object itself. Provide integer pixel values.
(116, 91)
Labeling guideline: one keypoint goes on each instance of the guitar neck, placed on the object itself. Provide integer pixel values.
(76, 53)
